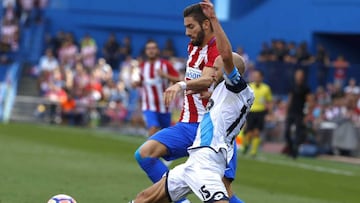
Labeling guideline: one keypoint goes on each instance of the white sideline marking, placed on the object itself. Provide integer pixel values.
(307, 166)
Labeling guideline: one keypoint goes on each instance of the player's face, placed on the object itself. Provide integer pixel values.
(257, 77)
(194, 30)
(151, 51)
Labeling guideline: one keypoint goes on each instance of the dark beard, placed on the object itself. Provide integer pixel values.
(199, 38)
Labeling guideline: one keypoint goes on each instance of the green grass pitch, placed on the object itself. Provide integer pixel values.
(38, 161)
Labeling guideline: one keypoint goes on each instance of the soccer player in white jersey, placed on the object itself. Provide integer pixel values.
(213, 147)
(156, 75)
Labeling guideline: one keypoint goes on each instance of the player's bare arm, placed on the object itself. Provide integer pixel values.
(197, 85)
(223, 43)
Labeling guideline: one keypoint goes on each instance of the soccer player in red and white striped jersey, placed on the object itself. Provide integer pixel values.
(200, 59)
(156, 76)
(172, 143)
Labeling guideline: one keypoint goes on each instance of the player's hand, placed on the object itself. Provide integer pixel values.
(208, 8)
(170, 93)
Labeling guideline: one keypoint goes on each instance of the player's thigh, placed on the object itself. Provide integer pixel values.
(175, 183)
(151, 119)
(204, 175)
(152, 148)
(176, 139)
(155, 193)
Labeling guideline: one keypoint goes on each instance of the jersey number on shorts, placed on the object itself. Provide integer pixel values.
(204, 192)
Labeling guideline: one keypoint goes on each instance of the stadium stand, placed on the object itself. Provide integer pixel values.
(88, 82)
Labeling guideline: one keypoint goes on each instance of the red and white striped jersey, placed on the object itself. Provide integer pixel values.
(154, 85)
(199, 57)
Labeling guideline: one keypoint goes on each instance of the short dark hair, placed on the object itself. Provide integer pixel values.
(196, 12)
(151, 41)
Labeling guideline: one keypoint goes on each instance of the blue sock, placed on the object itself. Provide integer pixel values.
(181, 200)
(235, 199)
(153, 167)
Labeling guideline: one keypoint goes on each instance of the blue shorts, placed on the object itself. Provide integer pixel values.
(156, 119)
(179, 137)
(230, 171)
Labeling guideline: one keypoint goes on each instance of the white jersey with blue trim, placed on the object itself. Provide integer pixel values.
(225, 116)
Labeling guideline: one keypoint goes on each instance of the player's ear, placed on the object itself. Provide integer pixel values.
(206, 24)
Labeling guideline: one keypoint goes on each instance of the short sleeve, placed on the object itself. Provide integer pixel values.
(170, 69)
(211, 55)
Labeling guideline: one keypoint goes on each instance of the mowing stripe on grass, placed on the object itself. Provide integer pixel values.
(306, 166)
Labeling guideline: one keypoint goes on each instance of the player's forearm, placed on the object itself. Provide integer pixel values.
(223, 45)
(200, 83)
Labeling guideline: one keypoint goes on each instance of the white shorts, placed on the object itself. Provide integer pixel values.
(202, 174)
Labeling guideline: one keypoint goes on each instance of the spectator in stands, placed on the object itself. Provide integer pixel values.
(291, 53)
(244, 55)
(116, 109)
(265, 53)
(94, 89)
(68, 106)
(6, 3)
(169, 50)
(39, 6)
(105, 71)
(303, 55)
(295, 114)
(10, 33)
(312, 114)
(81, 77)
(10, 12)
(68, 52)
(341, 65)
(125, 48)
(55, 42)
(322, 97)
(304, 58)
(56, 95)
(352, 88)
(279, 51)
(129, 74)
(322, 61)
(111, 51)
(48, 62)
(337, 91)
(88, 51)
(5, 51)
(26, 8)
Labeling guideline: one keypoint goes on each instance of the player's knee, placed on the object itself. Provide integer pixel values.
(151, 149)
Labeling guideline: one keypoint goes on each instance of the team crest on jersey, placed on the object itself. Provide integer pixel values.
(192, 73)
(210, 104)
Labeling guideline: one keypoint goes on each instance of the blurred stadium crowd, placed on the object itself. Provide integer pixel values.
(85, 83)
(86, 89)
